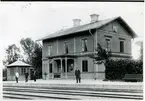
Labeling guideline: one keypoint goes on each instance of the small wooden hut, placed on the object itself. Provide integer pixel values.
(21, 68)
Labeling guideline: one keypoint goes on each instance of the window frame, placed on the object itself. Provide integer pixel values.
(84, 68)
(121, 47)
(49, 49)
(66, 50)
(84, 44)
(115, 28)
(108, 44)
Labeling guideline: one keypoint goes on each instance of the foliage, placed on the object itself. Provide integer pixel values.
(37, 59)
(28, 46)
(140, 43)
(101, 55)
(116, 69)
(141, 51)
(13, 53)
(4, 72)
(33, 50)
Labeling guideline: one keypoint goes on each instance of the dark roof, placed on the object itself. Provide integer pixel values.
(88, 26)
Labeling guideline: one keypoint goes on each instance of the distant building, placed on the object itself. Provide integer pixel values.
(68, 49)
(19, 67)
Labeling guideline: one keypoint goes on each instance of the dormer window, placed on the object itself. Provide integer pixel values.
(114, 28)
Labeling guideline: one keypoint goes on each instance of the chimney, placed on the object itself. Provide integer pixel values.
(76, 22)
(94, 17)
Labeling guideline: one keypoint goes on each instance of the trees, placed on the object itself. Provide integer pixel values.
(37, 59)
(140, 44)
(28, 46)
(101, 55)
(33, 51)
(13, 53)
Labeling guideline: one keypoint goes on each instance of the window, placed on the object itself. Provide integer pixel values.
(23, 70)
(85, 66)
(108, 45)
(114, 28)
(12, 71)
(122, 46)
(49, 50)
(50, 68)
(66, 47)
(84, 45)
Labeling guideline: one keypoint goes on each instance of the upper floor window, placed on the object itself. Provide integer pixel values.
(108, 45)
(114, 28)
(85, 66)
(66, 47)
(84, 45)
(122, 46)
(49, 50)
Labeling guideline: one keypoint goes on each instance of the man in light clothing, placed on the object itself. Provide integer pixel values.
(17, 76)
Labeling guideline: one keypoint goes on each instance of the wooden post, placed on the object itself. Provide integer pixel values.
(61, 68)
(66, 67)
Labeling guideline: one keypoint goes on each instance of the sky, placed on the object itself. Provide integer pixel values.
(37, 19)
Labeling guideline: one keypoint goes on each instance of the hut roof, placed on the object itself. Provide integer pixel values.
(19, 64)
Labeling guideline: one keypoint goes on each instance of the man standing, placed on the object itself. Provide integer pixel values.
(34, 75)
(78, 75)
(17, 76)
(26, 76)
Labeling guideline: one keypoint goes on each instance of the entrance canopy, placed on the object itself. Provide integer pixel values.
(19, 64)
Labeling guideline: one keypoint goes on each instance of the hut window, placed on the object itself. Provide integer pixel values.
(12, 71)
(23, 70)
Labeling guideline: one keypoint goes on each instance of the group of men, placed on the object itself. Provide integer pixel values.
(26, 76)
(77, 74)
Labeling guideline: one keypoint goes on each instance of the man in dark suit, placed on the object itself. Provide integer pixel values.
(78, 75)
(34, 75)
(26, 76)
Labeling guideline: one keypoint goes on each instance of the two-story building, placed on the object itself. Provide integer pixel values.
(68, 49)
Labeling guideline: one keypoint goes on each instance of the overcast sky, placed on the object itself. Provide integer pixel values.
(37, 20)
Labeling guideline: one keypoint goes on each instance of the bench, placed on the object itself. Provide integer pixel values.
(133, 77)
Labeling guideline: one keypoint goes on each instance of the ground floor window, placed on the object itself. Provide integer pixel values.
(84, 66)
(50, 68)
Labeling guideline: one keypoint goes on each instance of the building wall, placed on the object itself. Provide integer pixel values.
(11, 77)
(74, 47)
(115, 41)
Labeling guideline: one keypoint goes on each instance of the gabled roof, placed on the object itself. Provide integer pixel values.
(93, 25)
(18, 63)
